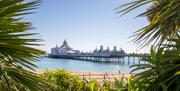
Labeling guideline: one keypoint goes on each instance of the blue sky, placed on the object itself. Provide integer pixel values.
(86, 24)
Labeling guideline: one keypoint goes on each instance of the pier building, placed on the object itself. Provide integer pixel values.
(64, 49)
(98, 55)
(108, 52)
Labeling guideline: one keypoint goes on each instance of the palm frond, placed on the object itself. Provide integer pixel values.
(17, 56)
(164, 21)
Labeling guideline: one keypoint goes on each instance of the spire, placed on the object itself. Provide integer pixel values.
(101, 48)
(64, 43)
(115, 49)
(108, 49)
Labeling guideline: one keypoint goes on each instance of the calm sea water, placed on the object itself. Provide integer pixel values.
(84, 66)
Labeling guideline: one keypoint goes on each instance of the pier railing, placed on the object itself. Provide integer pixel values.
(129, 58)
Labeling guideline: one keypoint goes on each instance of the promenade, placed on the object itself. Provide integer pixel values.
(98, 76)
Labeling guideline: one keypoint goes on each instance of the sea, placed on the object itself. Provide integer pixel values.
(86, 66)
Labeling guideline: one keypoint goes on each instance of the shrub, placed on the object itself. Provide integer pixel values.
(63, 79)
(67, 82)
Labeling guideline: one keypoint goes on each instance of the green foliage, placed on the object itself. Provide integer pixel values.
(63, 79)
(16, 55)
(119, 85)
(67, 82)
(164, 20)
(161, 71)
(94, 86)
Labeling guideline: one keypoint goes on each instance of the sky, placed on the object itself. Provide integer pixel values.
(86, 24)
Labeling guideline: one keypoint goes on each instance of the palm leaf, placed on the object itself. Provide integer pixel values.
(17, 56)
(164, 20)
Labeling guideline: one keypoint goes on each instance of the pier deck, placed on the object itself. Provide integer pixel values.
(102, 58)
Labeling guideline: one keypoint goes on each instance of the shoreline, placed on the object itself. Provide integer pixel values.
(74, 71)
(89, 76)
(82, 73)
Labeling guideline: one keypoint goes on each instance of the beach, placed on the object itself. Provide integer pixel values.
(99, 76)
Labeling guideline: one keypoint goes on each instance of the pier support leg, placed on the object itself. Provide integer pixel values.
(138, 61)
(133, 60)
(128, 59)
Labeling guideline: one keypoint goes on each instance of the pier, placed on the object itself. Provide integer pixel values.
(125, 58)
(98, 55)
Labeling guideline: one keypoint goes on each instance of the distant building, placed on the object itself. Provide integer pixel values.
(63, 49)
(108, 52)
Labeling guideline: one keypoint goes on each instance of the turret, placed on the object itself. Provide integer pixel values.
(120, 49)
(101, 48)
(115, 49)
(108, 49)
(64, 43)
